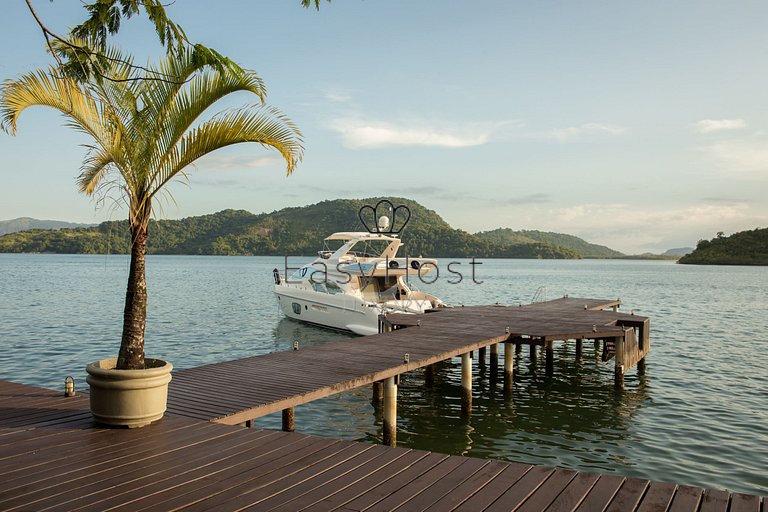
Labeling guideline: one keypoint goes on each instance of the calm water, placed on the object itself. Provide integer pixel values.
(698, 416)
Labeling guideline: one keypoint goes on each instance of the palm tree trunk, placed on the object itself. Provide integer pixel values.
(131, 355)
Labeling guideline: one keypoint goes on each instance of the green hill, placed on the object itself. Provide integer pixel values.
(574, 243)
(290, 231)
(27, 223)
(743, 248)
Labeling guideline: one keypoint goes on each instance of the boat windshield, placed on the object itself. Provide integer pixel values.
(369, 248)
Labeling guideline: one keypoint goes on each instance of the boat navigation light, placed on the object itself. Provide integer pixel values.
(383, 223)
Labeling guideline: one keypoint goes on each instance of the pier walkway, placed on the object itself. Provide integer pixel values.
(238, 391)
(52, 457)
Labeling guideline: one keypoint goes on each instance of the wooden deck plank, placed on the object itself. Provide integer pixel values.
(468, 487)
(292, 481)
(574, 493)
(686, 499)
(543, 497)
(744, 503)
(41, 464)
(221, 475)
(269, 473)
(431, 486)
(658, 496)
(714, 501)
(494, 488)
(377, 493)
(356, 487)
(522, 489)
(95, 474)
(601, 493)
(629, 495)
(378, 458)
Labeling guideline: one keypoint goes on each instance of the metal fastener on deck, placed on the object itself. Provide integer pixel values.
(295, 345)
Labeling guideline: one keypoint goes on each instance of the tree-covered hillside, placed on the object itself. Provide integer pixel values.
(743, 248)
(290, 231)
(574, 243)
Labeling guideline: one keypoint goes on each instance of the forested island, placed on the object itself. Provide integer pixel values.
(743, 248)
(300, 231)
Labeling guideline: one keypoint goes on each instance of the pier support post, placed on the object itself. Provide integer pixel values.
(641, 366)
(508, 367)
(466, 385)
(377, 392)
(532, 351)
(618, 376)
(518, 348)
(288, 425)
(618, 370)
(494, 362)
(550, 366)
(579, 347)
(390, 412)
(481, 356)
(429, 375)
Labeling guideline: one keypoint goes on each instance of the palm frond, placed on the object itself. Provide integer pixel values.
(262, 125)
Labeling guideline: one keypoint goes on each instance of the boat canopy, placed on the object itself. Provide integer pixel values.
(362, 235)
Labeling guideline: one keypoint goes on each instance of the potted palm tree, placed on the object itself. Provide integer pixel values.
(147, 125)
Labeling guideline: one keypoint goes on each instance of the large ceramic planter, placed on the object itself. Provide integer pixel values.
(128, 398)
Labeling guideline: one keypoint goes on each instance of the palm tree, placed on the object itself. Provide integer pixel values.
(146, 129)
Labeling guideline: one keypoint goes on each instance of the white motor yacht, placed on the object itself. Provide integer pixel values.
(356, 278)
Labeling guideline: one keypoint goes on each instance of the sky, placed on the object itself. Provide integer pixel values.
(642, 126)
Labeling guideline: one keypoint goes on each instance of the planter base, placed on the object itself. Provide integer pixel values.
(128, 398)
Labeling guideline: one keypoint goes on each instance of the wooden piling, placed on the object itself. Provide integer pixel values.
(288, 424)
(579, 347)
(494, 363)
(429, 375)
(466, 384)
(509, 369)
(550, 356)
(532, 352)
(518, 348)
(377, 394)
(618, 370)
(389, 434)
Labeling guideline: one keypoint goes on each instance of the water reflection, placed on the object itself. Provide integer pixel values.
(574, 418)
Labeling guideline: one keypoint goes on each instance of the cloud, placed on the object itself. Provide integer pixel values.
(537, 198)
(338, 96)
(222, 162)
(740, 155)
(358, 133)
(634, 229)
(585, 130)
(719, 125)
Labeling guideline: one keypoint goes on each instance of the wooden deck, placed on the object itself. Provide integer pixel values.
(241, 390)
(53, 458)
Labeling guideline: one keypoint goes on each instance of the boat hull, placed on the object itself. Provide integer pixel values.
(340, 311)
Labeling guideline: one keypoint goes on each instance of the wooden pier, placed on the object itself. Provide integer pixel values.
(52, 457)
(235, 392)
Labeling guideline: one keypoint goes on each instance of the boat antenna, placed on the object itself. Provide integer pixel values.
(376, 219)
